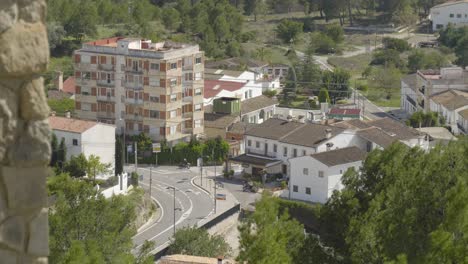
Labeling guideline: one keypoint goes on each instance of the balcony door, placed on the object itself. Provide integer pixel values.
(266, 149)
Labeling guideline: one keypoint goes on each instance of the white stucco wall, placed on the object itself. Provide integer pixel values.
(321, 188)
(72, 150)
(441, 15)
(100, 141)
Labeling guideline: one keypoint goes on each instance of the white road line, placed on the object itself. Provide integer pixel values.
(142, 228)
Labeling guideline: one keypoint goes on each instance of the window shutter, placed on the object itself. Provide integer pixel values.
(146, 65)
(168, 130)
(146, 112)
(162, 98)
(145, 80)
(113, 108)
(93, 75)
(113, 60)
(103, 91)
(78, 105)
(190, 92)
(103, 60)
(145, 97)
(93, 91)
(113, 92)
(162, 115)
(78, 89)
(129, 63)
(162, 66)
(162, 82)
(130, 94)
(77, 74)
(77, 58)
(93, 59)
(93, 107)
(140, 64)
(162, 131)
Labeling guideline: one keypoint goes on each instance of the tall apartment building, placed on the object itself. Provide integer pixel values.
(140, 86)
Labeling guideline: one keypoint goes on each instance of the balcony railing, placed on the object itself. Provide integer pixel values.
(134, 117)
(105, 98)
(261, 153)
(132, 85)
(134, 70)
(134, 101)
(106, 114)
(187, 99)
(106, 83)
(106, 67)
(187, 115)
(83, 81)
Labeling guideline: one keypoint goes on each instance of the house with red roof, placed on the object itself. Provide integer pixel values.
(218, 89)
(345, 113)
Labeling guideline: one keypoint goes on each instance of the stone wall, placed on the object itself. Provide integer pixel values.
(24, 132)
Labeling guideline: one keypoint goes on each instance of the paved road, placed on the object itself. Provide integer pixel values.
(192, 204)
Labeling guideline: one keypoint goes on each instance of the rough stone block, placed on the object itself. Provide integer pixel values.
(39, 235)
(12, 233)
(33, 104)
(26, 187)
(31, 11)
(3, 206)
(32, 147)
(7, 126)
(8, 14)
(23, 50)
(8, 256)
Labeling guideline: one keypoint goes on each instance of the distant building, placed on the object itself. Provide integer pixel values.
(276, 71)
(252, 79)
(314, 177)
(345, 113)
(431, 90)
(63, 90)
(140, 86)
(85, 137)
(217, 89)
(437, 135)
(452, 12)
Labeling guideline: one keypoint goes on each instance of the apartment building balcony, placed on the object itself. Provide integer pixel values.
(105, 83)
(133, 70)
(105, 98)
(262, 153)
(187, 115)
(133, 117)
(105, 115)
(106, 67)
(187, 99)
(132, 85)
(134, 101)
(82, 81)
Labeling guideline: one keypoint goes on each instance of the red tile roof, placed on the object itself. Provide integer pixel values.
(339, 111)
(69, 85)
(70, 124)
(213, 87)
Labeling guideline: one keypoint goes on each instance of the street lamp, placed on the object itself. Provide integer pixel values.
(174, 189)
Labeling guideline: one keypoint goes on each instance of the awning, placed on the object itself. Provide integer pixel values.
(255, 160)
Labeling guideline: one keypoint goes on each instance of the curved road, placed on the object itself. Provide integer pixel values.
(192, 204)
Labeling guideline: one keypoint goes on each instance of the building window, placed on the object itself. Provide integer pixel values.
(249, 143)
(305, 171)
(198, 60)
(172, 130)
(341, 171)
(75, 142)
(307, 190)
(198, 91)
(198, 123)
(320, 174)
(154, 99)
(154, 81)
(173, 97)
(459, 16)
(85, 107)
(189, 76)
(155, 66)
(154, 114)
(452, 15)
(250, 93)
(285, 151)
(295, 188)
(173, 114)
(173, 66)
(173, 82)
(257, 144)
(246, 95)
(275, 148)
(86, 75)
(294, 152)
(303, 152)
(198, 76)
(198, 107)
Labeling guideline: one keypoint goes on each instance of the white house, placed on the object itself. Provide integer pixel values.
(217, 89)
(87, 137)
(453, 12)
(252, 80)
(452, 105)
(314, 177)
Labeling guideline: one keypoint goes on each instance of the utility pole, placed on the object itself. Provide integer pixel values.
(136, 157)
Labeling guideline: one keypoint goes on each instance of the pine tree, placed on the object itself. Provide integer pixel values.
(62, 152)
(54, 148)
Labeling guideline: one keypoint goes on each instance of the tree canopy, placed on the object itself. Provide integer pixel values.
(198, 242)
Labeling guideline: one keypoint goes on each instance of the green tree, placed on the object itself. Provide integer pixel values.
(461, 50)
(94, 167)
(85, 227)
(323, 96)
(255, 8)
(55, 34)
(288, 30)
(198, 242)
(83, 20)
(400, 45)
(119, 148)
(269, 236)
(388, 57)
(62, 152)
(171, 18)
(421, 119)
(387, 78)
(61, 106)
(337, 82)
(54, 149)
(76, 166)
(263, 54)
(335, 32)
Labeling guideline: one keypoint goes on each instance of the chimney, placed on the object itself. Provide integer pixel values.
(59, 80)
(68, 114)
(328, 133)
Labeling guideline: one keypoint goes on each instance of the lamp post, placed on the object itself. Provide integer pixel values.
(174, 189)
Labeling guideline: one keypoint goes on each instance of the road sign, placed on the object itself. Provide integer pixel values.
(156, 147)
(199, 162)
(129, 148)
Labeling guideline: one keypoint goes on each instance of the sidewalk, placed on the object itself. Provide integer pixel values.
(225, 199)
